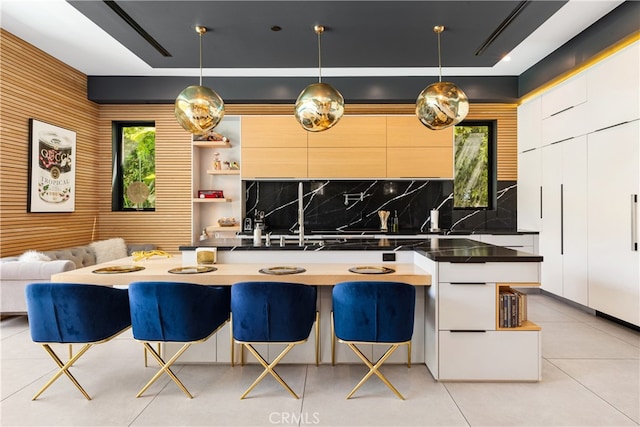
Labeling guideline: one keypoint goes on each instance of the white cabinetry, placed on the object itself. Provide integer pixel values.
(563, 241)
(529, 164)
(564, 110)
(530, 190)
(588, 167)
(518, 242)
(614, 175)
(529, 125)
(551, 222)
(471, 346)
(564, 96)
(612, 86)
(207, 211)
(574, 220)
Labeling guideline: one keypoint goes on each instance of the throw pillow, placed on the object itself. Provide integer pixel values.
(33, 256)
(108, 250)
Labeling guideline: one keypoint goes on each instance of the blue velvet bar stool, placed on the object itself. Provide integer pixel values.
(373, 312)
(74, 313)
(273, 312)
(177, 312)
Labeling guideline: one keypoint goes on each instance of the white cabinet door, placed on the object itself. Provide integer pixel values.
(564, 96)
(467, 306)
(489, 356)
(564, 125)
(613, 164)
(551, 224)
(529, 189)
(574, 220)
(529, 125)
(613, 86)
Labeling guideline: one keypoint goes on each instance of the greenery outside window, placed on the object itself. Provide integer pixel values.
(134, 166)
(474, 165)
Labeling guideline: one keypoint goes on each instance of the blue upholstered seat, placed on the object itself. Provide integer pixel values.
(176, 312)
(374, 313)
(73, 313)
(273, 312)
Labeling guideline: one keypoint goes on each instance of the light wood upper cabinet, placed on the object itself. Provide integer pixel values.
(414, 151)
(353, 148)
(353, 131)
(357, 147)
(272, 131)
(273, 147)
(347, 162)
(258, 162)
(407, 131)
(419, 162)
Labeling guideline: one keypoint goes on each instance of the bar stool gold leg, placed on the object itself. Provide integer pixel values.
(145, 355)
(317, 338)
(374, 369)
(233, 344)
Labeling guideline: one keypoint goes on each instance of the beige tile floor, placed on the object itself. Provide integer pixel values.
(590, 371)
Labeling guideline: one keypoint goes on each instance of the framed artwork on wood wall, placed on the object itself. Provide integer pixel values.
(52, 168)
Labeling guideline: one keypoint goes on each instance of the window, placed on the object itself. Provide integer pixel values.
(474, 165)
(134, 166)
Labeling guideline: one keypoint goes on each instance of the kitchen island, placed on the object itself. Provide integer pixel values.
(457, 332)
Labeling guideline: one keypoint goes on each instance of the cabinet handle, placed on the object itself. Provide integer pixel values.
(466, 331)
(561, 219)
(561, 111)
(634, 222)
(468, 283)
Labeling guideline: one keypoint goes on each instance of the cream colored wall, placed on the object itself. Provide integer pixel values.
(36, 85)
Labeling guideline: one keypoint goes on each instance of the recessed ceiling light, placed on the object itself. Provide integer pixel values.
(506, 58)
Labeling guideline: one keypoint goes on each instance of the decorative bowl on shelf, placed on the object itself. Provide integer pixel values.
(227, 222)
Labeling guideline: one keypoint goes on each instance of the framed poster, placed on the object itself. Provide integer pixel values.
(52, 168)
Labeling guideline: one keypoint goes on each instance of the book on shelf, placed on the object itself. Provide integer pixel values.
(512, 310)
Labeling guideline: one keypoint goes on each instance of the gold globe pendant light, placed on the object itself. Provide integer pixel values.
(319, 106)
(199, 109)
(441, 104)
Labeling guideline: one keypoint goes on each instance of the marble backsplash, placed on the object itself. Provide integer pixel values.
(331, 205)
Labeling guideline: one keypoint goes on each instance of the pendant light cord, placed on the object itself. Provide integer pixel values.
(200, 59)
(319, 58)
(439, 61)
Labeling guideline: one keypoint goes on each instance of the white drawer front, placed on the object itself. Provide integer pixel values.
(496, 272)
(509, 240)
(469, 306)
(490, 356)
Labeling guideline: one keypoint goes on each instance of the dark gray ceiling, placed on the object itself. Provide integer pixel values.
(359, 34)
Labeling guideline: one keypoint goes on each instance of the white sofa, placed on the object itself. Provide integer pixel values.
(15, 275)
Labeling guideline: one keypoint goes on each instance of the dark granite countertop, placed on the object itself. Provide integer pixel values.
(438, 249)
(402, 232)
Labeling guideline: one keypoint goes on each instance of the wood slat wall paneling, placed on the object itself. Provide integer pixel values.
(169, 226)
(36, 85)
